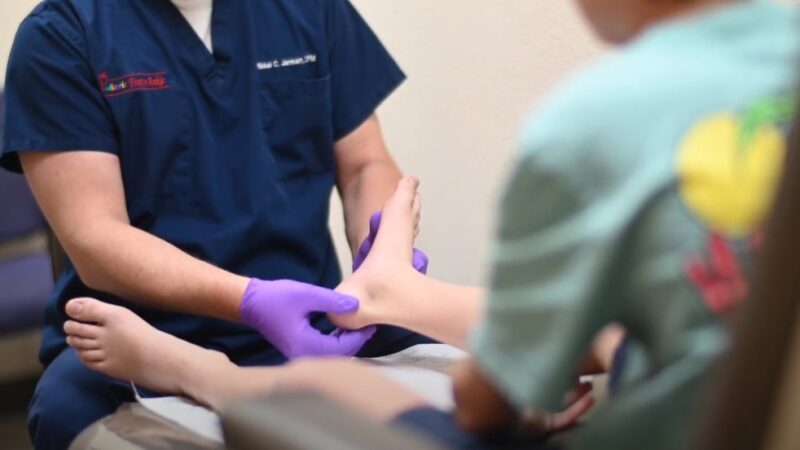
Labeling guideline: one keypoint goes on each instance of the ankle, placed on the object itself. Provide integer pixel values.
(390, 295)
(203, 379)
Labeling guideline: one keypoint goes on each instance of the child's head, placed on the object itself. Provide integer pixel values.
(617, 21)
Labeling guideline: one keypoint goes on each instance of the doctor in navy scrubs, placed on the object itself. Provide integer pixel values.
(184, 153)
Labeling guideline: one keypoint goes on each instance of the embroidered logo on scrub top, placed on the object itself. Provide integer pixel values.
(125, 84)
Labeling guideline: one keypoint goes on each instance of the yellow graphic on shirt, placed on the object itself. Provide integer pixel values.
(729, 166)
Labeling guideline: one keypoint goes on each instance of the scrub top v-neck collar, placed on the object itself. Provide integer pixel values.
(207, 63)
(198, 14)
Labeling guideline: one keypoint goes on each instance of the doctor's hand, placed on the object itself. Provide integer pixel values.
(280, 311)
(419, 259)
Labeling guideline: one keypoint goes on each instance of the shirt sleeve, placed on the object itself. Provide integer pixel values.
(363, 73)
(53, 102)
(551, 288)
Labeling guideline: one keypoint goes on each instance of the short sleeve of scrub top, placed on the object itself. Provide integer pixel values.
(52, 99)
(363, 73)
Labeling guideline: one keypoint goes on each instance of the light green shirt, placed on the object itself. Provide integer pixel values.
(637, 199)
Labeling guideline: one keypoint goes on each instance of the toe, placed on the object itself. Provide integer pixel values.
(416, 208)
(82, 343)
(407, 191)
(402, 202)
(91, 356)
(81, 330)
(90, 310)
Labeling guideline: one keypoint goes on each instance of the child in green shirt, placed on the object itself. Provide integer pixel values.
(638, 199)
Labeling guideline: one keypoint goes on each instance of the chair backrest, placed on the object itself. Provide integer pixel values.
(58, 257)
(20, 217)
(750, 381)
(19, 214)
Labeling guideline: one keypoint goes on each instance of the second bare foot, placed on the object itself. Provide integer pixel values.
(115, 341)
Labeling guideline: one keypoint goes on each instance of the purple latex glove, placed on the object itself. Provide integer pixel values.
(280, 311)
(419, 260)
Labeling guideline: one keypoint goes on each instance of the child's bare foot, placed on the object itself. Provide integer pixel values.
(388, 260)
(115, 341)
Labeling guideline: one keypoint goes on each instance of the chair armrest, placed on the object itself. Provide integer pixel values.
(305, 421)
(133, 427)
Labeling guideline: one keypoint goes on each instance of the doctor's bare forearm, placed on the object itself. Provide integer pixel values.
(366, 177)
(364, 196)
(82, 195)
(138, 266)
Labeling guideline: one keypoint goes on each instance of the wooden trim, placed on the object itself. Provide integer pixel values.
(19, 353)
(24, 246)
(749, 379)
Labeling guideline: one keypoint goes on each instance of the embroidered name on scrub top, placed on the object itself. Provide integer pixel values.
(133, 82)
(287, 62)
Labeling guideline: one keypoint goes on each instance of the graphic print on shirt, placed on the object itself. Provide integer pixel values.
(125, 84)
(729, 166)
(719, 277)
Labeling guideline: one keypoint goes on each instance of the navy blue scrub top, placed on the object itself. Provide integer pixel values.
(228, 156)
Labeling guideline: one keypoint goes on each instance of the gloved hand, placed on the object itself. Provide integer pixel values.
(419, 259)
(280, 311)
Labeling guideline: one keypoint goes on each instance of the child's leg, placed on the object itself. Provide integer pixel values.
(114, 341)
(351, 383)
(606, 345)
(604, 348)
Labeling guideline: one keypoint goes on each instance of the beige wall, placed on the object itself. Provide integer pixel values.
(11, 13)
(475, 68)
